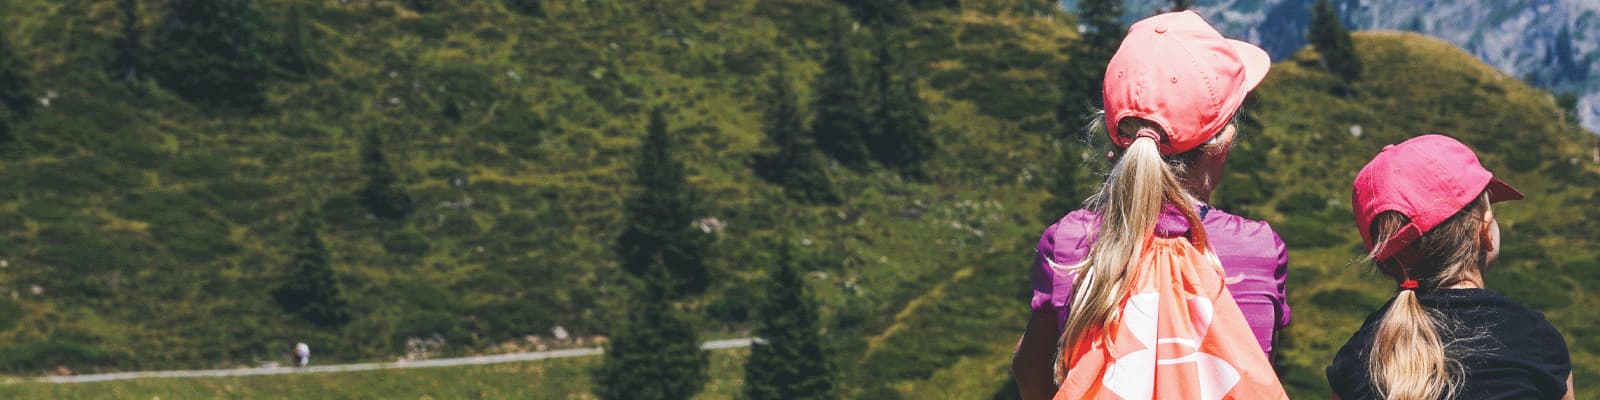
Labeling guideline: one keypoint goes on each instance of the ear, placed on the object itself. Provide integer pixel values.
(1486, 239)
(1228, 133)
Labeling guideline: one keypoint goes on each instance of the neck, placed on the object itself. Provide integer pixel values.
(1201, 192)
(1471, 278)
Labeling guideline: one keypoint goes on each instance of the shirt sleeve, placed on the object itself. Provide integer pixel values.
(1043, 279)
(1280, 277)
(1548, 353)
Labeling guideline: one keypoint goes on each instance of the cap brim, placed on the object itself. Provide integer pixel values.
(1256, 62)
(1501, 191)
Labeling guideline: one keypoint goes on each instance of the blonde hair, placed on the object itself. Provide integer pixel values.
(1129, 204)
(1409, 358)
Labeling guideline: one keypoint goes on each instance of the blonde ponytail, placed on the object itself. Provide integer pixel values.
(1129, 205)
(1409, 360)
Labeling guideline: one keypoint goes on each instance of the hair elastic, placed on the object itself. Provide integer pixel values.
(1409, 284)
(1149, 133)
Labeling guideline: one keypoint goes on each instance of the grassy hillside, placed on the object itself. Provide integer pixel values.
(547, 379)
(155, 229)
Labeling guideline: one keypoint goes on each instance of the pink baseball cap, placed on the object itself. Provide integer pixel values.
(1428, 179)
(1175, 70)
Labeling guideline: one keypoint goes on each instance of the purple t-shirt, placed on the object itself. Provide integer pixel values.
(1250, 252)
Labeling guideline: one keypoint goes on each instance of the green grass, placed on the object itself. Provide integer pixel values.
(566, 378)
(157, 228)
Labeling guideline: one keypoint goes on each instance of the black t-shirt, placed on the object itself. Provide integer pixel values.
(1512, 351)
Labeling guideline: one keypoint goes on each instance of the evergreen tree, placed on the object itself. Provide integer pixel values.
(1570, 64)
(841, 124)
(297, 58)
(659, 225)
(1102, 20)
(1333, 42)
(788, 362)
(1567, 104)
(900, 136)
(214, 52)
(380, 195)
(130, 45)
(1180, 5)
(655, 354)
(532, 8)
(1063, 183)
(879, 12)
(1084, 75)
(16, 89)
(311, 290)
(798, 166)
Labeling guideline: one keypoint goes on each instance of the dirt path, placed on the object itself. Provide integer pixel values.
(438, 362)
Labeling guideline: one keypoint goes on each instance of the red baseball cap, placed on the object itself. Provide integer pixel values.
(1428, 179)
(1176, 71)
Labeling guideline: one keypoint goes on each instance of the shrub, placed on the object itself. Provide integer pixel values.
(10, 313)
(1309, 233)
(1302, 204)
(200, 166)
(459, 224)
(39, 356)
(343, 209)
(518, 126)
(46, 211)
(406, 242)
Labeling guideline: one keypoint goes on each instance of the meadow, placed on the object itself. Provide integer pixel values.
(146, 231)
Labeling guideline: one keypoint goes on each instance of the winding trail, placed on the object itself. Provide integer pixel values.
(438, 362)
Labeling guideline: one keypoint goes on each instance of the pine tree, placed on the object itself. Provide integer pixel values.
(788, 362)
(380, 195)
(1103, 22)
(900, 136)
(297, 58)
(130, 45)
(1180, 5)
(1084, 75)
(214, 52)
(1570, 64)
(798, 166)
(841, 124)
(1333, 42)
(660, 217)
(1063, 183)
(655, 354)
(532, 8)
(880, 12)
(16, 89)
(311, 290)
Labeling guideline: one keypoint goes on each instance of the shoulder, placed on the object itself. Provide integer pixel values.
(1502, 315)
(1220, 221)
(1526, 325)
(1245, 240)
(1068, 234)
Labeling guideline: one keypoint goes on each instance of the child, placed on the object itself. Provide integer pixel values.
(1130, 294)
(1423, 210)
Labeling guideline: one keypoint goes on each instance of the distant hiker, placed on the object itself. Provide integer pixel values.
(1423, 210)
(1192, 295)
(302, 354)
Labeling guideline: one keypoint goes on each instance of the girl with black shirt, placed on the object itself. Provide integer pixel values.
(1423, 210)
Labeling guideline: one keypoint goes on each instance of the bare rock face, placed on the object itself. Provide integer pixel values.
(1552, 44)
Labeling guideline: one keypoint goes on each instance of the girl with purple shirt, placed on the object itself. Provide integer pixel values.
(1178, 82)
